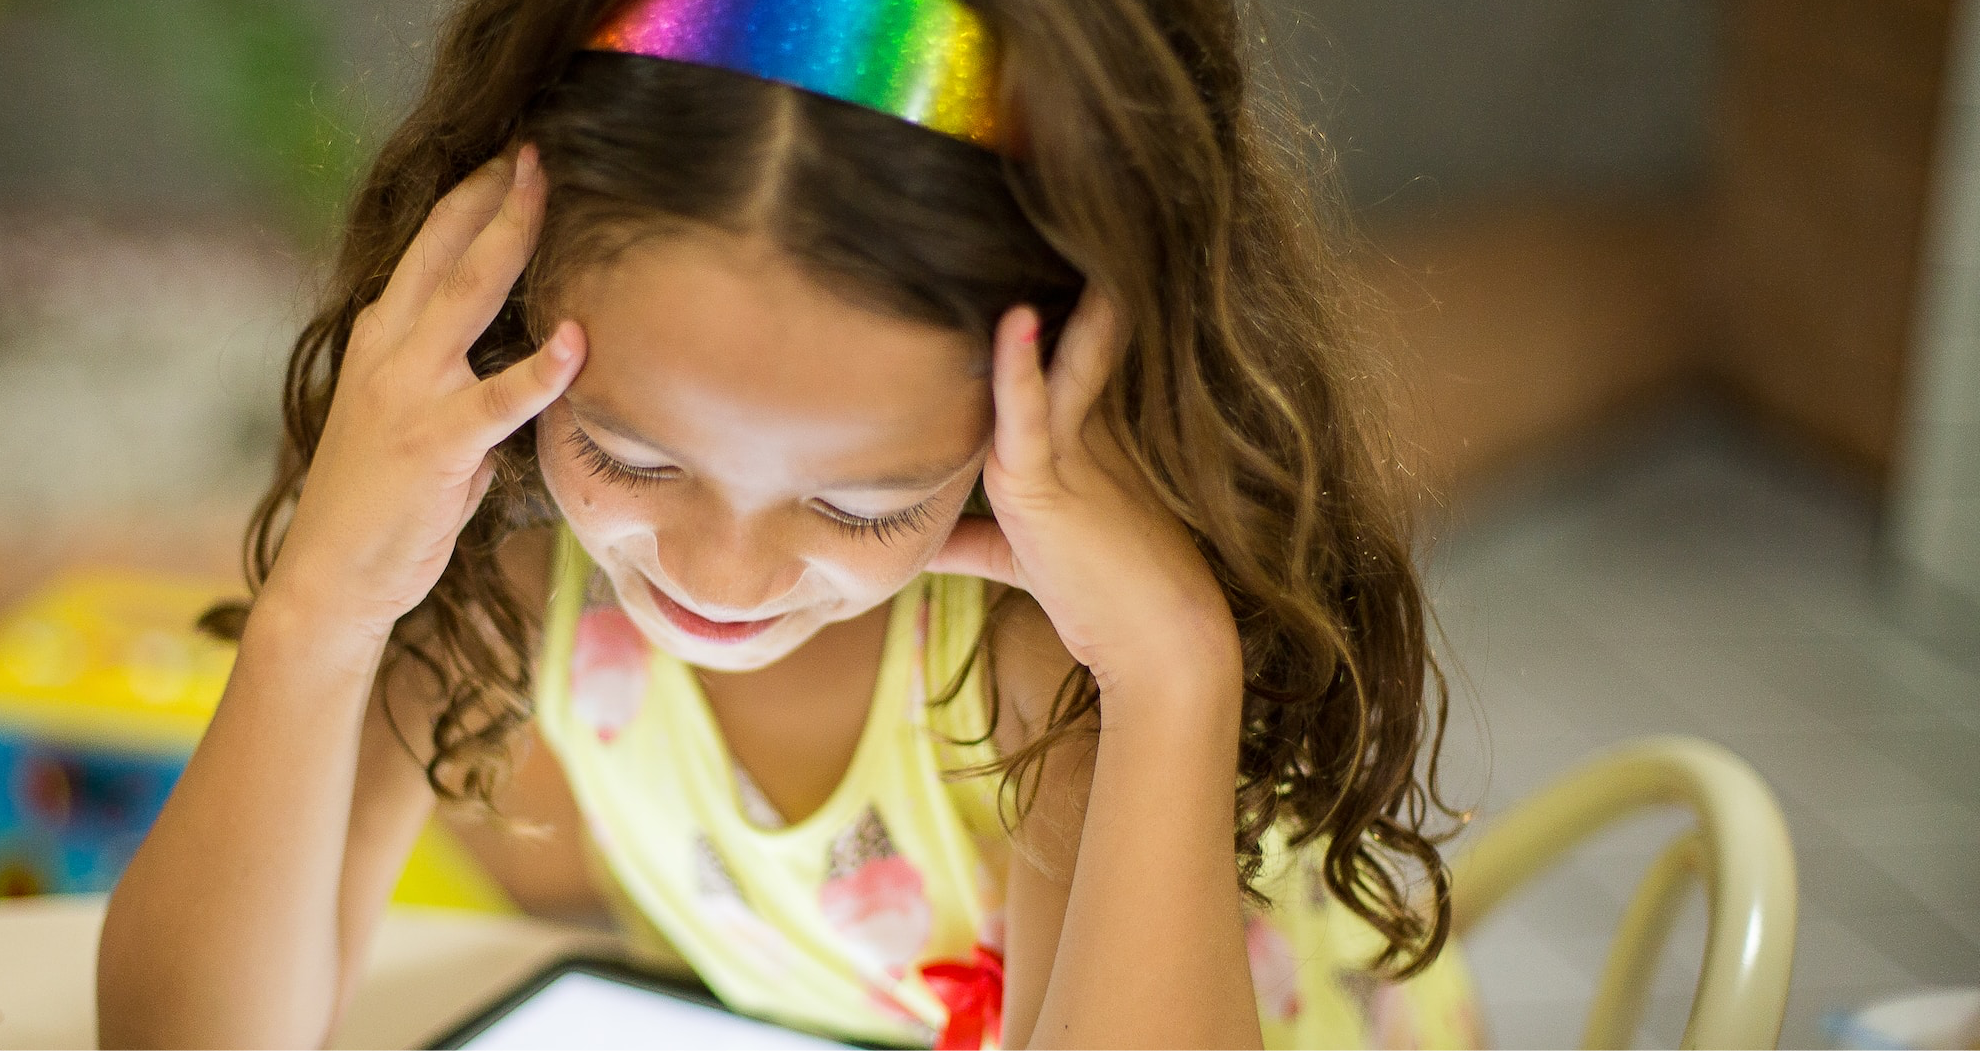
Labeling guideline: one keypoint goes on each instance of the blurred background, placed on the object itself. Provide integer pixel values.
(1688, 292)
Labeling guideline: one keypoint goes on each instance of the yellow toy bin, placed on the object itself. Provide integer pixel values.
(105, 688)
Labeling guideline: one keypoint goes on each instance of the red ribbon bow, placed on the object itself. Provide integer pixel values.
(974, 994)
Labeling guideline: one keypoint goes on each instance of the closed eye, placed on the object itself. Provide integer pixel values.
(605, 466)
(609, 468)
(885, 528)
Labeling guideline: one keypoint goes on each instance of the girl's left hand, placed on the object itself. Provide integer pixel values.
(1079, 528)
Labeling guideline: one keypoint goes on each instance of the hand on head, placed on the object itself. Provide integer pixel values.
(1078, 526)
(404, 457)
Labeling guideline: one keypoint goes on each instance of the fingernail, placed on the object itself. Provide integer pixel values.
(528, 165)
(1030, 334)
(559, 349)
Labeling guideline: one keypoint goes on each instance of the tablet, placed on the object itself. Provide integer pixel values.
(584, 1002)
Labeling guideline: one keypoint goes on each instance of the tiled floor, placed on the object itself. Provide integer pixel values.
(1689, 578)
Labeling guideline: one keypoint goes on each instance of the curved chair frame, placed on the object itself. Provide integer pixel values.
(1740, 849)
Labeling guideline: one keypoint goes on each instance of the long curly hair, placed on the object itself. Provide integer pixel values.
(1152, 165)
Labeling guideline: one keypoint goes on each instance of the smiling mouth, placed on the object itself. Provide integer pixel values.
(700, 627)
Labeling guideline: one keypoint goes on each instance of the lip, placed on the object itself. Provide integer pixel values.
(700, 627)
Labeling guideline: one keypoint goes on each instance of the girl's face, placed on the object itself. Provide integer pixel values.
(750, 457)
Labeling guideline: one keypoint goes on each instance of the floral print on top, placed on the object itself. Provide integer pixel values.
(877, 914)
(873, 898)
(608, 671)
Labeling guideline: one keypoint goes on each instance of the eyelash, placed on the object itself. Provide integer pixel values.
(604, 466)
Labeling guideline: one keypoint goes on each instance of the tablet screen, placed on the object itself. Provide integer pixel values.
(578, 1009)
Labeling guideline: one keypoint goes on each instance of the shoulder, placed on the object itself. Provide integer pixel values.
(409, 692)
(1028, 665)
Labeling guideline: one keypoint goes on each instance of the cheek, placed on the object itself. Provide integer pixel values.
(586, 502)
(865, 568)
(861, 573)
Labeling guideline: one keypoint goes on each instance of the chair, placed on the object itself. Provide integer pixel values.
(1739, 848)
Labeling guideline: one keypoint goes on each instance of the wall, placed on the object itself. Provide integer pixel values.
(1935, 535)
(1529, 174)
(1822, 153)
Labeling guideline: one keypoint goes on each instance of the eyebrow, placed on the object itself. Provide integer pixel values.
(928, 477)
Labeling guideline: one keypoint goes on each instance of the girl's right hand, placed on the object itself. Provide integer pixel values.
(403, 461)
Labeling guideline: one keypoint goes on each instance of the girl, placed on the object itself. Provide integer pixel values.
(979, 603)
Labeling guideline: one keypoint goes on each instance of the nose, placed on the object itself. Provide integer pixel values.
(729, 566)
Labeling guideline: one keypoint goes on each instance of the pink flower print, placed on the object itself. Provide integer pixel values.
(1274, 969)
(873, 898)
(608, 671)
(1392, 1021)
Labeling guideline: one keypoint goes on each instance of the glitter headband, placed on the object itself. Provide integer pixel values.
(925, 61)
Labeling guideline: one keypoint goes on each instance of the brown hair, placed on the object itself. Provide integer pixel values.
(1151, 169)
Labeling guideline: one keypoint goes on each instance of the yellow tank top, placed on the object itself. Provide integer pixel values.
(827, 923)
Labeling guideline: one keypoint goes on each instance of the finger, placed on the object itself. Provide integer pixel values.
(449, 229)
(978, 548)
(1082, 362)
(476, 286)
(1021, 443)
(484, 476)
(493, 408)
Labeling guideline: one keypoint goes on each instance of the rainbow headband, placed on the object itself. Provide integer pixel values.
(925, 61)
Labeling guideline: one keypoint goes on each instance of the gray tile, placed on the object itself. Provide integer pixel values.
(1926, 946)
(1834, 876)
(1874, 829)
(1724, 696)
(1838, 879)
(1946, 876)
(1597, 691)
(1700, 583)
(1836, 678)
(1514, 766)
(1954, 689)
(1946, 757)
(1830, 769)
(1512, 961)
(1966, 922)
(1830, 956)
(1542, 1022)
(1567, 904)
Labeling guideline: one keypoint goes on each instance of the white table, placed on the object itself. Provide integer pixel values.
(429, 969)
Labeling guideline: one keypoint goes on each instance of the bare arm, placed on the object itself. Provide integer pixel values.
(1143, 914)
(245, 914)
(248, 909)
(267, 789)
(1124, 925)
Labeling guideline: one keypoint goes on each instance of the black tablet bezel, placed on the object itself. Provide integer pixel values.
(618, 971)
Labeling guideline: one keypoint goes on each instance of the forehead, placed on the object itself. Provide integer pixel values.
(722, 337)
